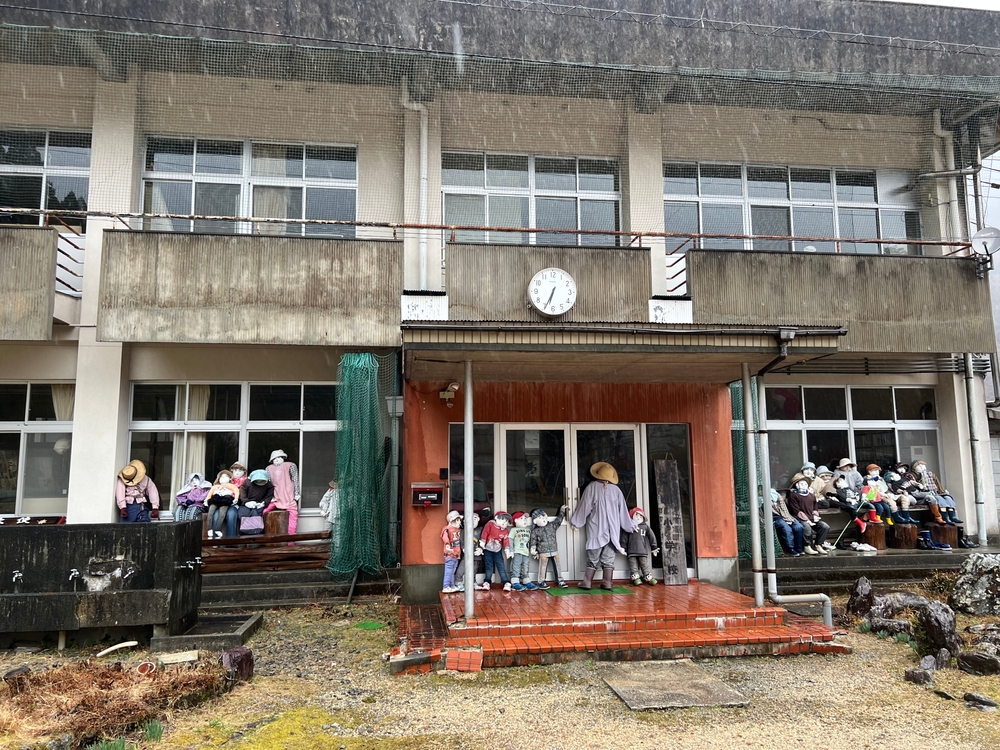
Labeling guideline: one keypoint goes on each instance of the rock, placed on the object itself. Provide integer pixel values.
(943, 660)
(981, 699)
(928, 663)
(17, 679)
(980, 707)
(918, 676)
(976, 662)
(944, 694)
(938, 621)
(238, 663)
(975, 629)
(977, 590)
(862, 598)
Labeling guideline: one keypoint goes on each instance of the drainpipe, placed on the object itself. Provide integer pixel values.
(995, 372)
(424, 181)
(751, 456)
(772, 572)
(948, 139)
(468, 542)
(977, 469)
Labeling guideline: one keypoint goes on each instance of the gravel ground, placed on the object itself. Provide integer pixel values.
(321, 683)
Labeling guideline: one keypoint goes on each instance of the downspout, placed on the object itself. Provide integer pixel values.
(424, 180)
(772, 573)
(977, 469)
(948, 139)
(751, 456)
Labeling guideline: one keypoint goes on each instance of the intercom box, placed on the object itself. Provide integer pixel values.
(427, 494)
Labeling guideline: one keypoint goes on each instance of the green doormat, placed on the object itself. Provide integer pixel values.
(369, 625)
(597, 590)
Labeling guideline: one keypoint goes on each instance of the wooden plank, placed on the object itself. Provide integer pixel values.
(263, 539)
(236, 567)
(668, 497)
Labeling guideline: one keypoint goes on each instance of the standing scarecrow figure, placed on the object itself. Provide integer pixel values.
(603, 511)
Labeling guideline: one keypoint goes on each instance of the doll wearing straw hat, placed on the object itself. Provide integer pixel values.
(603, 511)
(134, 490)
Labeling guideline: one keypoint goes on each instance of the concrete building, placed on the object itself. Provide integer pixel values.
(778, 185)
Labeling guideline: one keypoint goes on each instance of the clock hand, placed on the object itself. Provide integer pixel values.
(550, 297)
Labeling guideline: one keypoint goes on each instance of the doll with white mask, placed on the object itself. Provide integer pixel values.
(222, 500)
(451, 537)
(284, 476)
(544, 545)
(639, 546)
(239, 473)
(520, 537)
(495, 543)
(802, 504)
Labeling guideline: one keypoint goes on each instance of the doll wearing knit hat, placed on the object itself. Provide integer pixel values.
(639, 545)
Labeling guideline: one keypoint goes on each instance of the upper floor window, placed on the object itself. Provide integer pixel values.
(775, 202)
(44, 170)
(541, 192)
(203, 177)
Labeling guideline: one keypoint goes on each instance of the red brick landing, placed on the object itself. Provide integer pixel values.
(654, 622)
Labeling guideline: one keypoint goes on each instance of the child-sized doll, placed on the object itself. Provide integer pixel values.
(495, 542)
(898, 489)
(876, 491)
(451, 535)
(477, 555)
(221, 500)
(519, 537)
(639, 545)
(545, 545)
(850, 500)
(191, 498)
(802, 503)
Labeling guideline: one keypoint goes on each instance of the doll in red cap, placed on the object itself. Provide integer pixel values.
(639, 545)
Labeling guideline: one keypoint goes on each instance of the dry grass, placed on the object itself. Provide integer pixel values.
(93, 701)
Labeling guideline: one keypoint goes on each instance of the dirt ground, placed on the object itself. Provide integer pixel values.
(321, 683)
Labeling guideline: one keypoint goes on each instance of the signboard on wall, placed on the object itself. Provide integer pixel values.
(668, 497)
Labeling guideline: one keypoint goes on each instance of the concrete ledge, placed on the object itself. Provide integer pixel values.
(421, 583)
(722, 571)
(212, 633)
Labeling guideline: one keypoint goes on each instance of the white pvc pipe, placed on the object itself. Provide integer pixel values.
(751, 456)
(948, 139)
(977, 469)
(424, 182)
(469, 509)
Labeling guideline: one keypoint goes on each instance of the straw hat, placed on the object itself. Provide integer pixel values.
(845, 462)
(134, 473)
(605, 472)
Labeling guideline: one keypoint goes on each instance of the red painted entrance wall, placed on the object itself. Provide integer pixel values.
(705, 407)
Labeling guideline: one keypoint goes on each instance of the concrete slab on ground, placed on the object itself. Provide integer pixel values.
(211, 633)
(669, 684)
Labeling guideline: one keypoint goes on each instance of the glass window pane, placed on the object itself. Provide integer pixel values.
(20, 191)
(277, 203)
(814, 222)
(260, 445)
(916, 403)
(671, 442)
(276, 160)
(555, 213)
(155, 402)
(320, 402)
(826, 447)
(157, 451)
(332, 162)
(858, 223)
(69, 150)
(784, 448)
(681, 218)
(503, 170)
(482, 467)
(898, 225)
(599, 215)
(462, 169)
(13, 399)
(783, 403)
(858, 187)
(509, 211)
(169, 155)
(536, 470)
(721, 179)
(680, 179)
(871, 403)
(468, 210)
(10, 457)
(219, 157)
(26, 149)
(272, 403)
(875, 447)
(721, 219)
(51, 402)
(919, 445)
(555, 174)
(811, 184)
(167, 198)
(773, 221)
(216, 200)
(599, 175)
(211, 452)
(319, 466)
(334, 204)
(825, 403)
(214, 403)
(767, 182)
(64, 193)
(46, 473)
(616, 447)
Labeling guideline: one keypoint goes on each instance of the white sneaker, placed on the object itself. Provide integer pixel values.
(810, 551)
(506, 586)
(822, 550)
(449, 589)
(486, 587)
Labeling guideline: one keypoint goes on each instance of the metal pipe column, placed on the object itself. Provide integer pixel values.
(977, 469)
(469, 488)
(751, 455)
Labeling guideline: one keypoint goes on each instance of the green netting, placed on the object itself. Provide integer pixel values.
(365, 535)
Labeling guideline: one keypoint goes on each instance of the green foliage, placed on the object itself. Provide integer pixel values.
(118, 744)
(865, 627)
(903, 637)
(883, 634)
(152, 730)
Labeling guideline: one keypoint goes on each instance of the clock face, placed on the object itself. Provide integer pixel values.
(552, 292)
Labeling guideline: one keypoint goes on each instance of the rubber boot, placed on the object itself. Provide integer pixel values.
(953, 517)
(936, 514)
(924, 540)
(588, 579)
(873, 517)
(609, 576)
(907, 518)
(861, 525)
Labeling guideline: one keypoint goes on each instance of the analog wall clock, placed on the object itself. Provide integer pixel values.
(552, 291)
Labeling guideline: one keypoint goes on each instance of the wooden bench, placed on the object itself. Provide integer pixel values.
(275, 549)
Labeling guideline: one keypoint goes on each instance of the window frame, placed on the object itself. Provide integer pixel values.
(533, 193)
(247, 181)
(46, 170)
(27, 427)
(748, 202)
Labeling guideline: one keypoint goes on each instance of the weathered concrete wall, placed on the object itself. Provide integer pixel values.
(27, 283)
(888, 304)
(490, 282)
(183, 288)
(46, 96)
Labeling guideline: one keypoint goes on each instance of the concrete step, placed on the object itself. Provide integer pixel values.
(263, 577)
(260, 589)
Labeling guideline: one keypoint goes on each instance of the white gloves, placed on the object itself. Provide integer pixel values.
(656, 552)
(534, 552)
(478, 552)
(508, 552)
